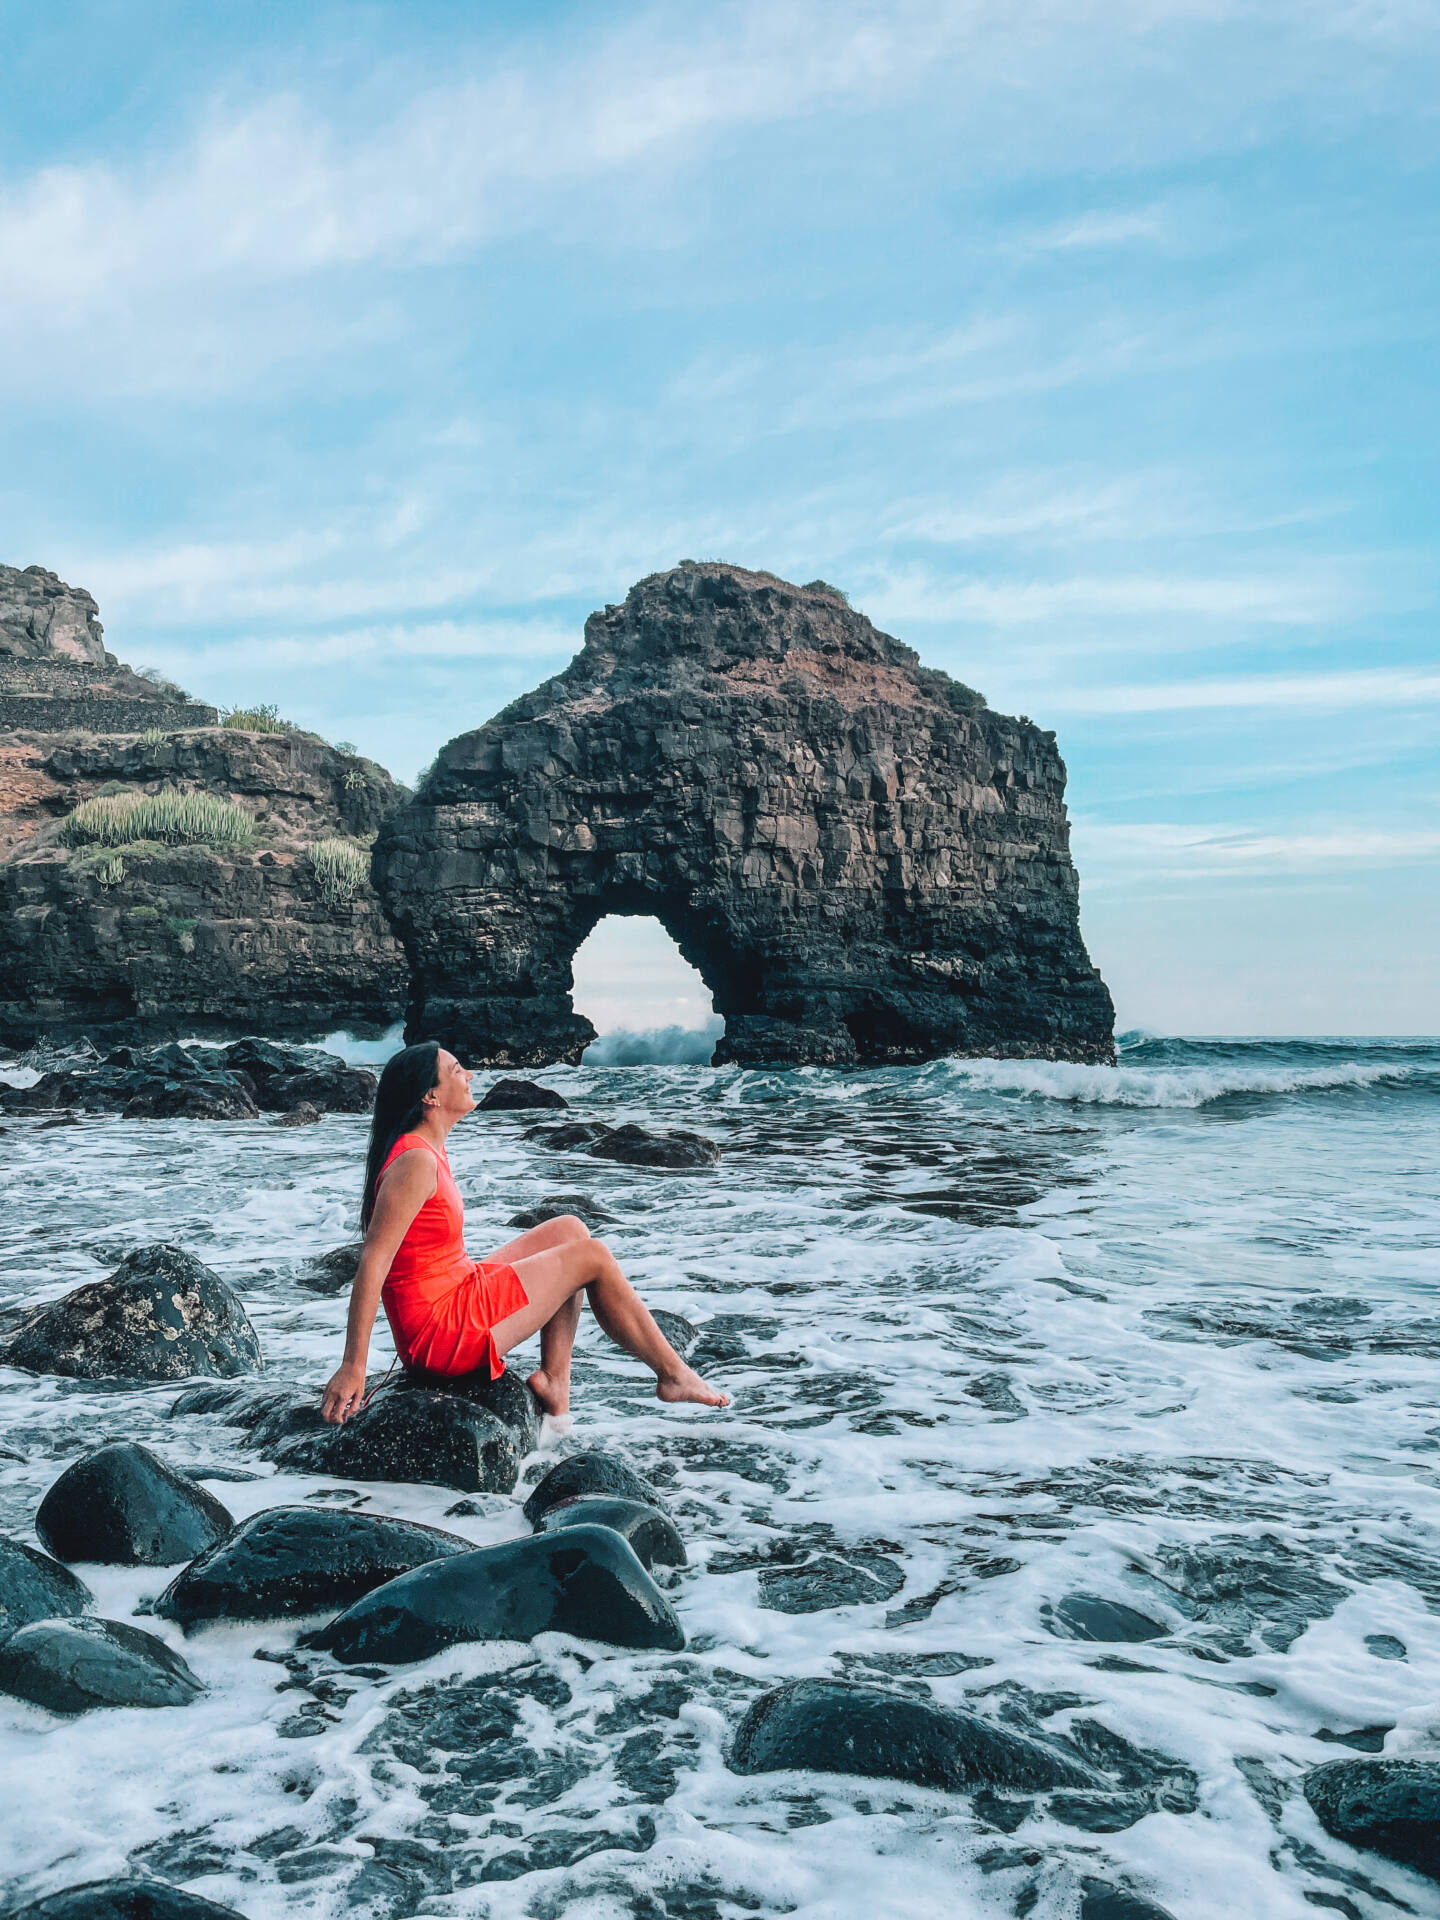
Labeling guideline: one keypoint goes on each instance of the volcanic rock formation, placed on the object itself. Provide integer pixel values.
(162, 934)
(863, 862)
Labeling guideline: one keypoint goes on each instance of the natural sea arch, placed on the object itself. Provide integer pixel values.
(646, 1002)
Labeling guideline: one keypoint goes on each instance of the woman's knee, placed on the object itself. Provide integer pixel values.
(570, 1227)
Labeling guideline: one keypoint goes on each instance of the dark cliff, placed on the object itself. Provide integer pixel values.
(256, 916)
(863, 862)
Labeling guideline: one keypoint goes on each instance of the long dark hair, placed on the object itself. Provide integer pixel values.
(399, 1108)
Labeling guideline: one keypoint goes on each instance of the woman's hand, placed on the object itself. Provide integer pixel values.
(343, 1395)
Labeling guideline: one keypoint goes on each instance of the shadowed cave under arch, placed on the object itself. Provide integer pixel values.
(862, 861)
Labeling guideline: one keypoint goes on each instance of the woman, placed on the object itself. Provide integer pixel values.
(450, 1315)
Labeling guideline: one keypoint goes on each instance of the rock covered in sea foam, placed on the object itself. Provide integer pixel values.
(841, 1726)
(122, 1505)
(289, 1561)
(1389, 1806)
(72, 1666)
(35, 1587)
(161, 1315)
(585, 1581)
(123, 1900)
(652, 1535)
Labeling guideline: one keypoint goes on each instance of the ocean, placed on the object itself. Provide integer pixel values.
(1006, 1340)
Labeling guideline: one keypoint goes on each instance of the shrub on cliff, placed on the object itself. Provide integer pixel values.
(173, 819)
(258, 719)
(341, 868)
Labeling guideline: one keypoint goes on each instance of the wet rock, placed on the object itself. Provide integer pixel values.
(265, 1060)
(1362, 1739)
(1100, 1900)
(586, 1473)
(676, 1329)
(1384, 1646)
(123, 1900)
(841, 1726)
(824, 1581)
(73, 1665)
(1087, 1616)
(209, 1096)
(1390, 1807)
(652, 1535)
(35, 1587)
(1100, 1812)
(1240, 1585)
(585, 1581)
(160, 1316)
(333, 1272)
(570, 1136)
(124, 1506)
(337, 1089)
(513, 1096)
(436, 1439)
(994, 1392)
(675, 1150)
(554, 1205)
(508, 1398)
(288, 1561)
(303, 1115)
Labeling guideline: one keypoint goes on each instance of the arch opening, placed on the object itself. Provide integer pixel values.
(648, 1005)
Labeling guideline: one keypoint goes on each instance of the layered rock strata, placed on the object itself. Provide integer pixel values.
(863, 862)
(151, 938)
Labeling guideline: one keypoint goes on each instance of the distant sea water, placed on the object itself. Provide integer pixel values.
(1005, 1339)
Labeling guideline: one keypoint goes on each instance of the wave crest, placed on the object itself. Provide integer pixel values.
(1165, 1087)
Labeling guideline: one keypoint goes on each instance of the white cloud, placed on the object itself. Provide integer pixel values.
(1284, 600)
(1364, 687)
(1207, 851)
(1097, 229)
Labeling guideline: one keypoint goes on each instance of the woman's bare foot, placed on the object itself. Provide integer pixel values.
(551, 1390)
(686, 1384)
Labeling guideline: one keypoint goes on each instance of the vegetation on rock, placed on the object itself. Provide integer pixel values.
(341, 868)
(174, 819)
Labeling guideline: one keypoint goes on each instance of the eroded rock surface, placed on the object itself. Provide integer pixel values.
(161, 1315)
(863, 862)
(72, 1666)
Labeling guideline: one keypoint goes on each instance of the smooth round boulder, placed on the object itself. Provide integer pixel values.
(585, 1581)
(652, 1535)
(123, 1506)
(516, 1096)
(161, 1315)
(333, 1272)
(1087, 1616)
(288, 1561)
(123, 1900)
(1389, 1806)
(436, 1439)
(35, 1587)
(72, 1666)
(677, 1150)
(841, 1726)
(1101, 1900)
(676, 1329)
(508, 1398)
(584, 1473)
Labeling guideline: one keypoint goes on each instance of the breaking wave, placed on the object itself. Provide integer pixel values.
(656, 1047)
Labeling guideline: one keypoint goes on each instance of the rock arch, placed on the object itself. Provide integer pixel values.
(863, 862)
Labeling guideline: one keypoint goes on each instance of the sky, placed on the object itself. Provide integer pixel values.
(351, 354)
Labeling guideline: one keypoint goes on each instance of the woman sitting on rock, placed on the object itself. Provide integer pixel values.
(452, 1315)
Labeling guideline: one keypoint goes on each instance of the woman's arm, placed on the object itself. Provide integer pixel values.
(408, 1182)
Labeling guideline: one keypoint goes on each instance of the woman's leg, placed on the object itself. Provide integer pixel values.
(550, 1233)
(553, 1278)
(550, 1382)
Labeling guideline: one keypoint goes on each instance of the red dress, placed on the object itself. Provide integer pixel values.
(440, 1303)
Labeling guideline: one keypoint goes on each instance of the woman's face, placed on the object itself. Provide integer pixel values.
(450, 1097)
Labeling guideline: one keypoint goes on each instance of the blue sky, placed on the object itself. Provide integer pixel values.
(351, 354)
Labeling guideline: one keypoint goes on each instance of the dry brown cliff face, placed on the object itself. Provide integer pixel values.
(863, 862)
(148, 940)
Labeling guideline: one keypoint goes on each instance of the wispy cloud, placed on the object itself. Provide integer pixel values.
(1286, 600)
(1156, 846)
(1372, 687)
(1104, 229)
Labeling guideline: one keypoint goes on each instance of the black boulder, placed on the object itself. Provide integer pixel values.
(437, 1439)
(72, 1665)
(652, 1535)
(589, 1212)
(334, 1089)
(34, 1587)
(1388, 1806)
(676, 1329)
(584, 1473)
(124, 1506)
(514, 1096)
(508, 1398)
(1101, 1900)
(585, 1581)
(840, 1726)
(1087, 1616)
(298, 1560)
(333, 1272)
(123, 1900)
(673, 1151)
(160, 1316)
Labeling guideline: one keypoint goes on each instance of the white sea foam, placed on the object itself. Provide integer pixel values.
(1010, 1350)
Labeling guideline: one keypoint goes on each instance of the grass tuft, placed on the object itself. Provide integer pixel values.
(259, 719)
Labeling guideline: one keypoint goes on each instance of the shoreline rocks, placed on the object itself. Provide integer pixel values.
(75, 1665)
(585, 1581)
(439, 1439)
(123, 1506)
(123, 1899)
(579, 1475)
(651, 1535)
(35, 1587)
(1387, 1806)
(161, 1315)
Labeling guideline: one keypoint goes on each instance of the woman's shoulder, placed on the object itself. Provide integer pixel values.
(415, 1151)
